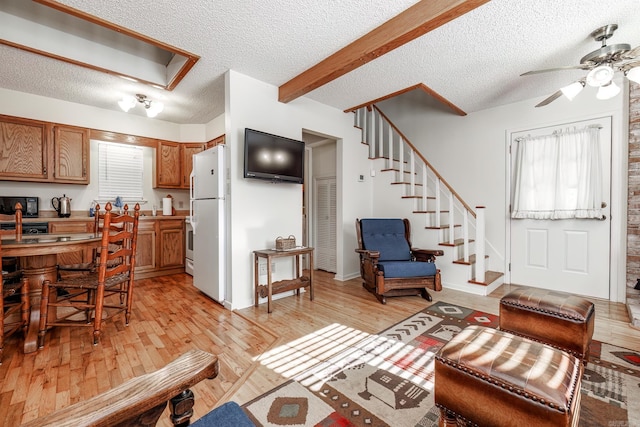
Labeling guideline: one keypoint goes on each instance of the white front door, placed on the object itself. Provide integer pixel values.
(568, 255)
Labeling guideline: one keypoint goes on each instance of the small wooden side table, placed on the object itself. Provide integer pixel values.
(301, 280)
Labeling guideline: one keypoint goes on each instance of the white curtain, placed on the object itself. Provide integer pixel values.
(559, 176)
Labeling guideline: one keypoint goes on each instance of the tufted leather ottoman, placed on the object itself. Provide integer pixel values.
(488, 377)
(562, 320)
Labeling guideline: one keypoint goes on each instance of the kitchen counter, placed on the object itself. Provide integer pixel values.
(52, 216)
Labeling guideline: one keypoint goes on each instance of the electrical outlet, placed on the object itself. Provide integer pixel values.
(180, 204)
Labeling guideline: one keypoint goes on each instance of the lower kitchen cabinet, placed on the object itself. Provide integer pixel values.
(171, 236)
(160, 248)
(146, 248)
(60, 227)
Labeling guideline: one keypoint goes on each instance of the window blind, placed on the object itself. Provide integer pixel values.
(120, 171)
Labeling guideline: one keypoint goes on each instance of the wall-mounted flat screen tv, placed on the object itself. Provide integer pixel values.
(273, 158)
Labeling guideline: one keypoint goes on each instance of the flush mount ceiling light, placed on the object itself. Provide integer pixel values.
(152, 107)
(602, 64)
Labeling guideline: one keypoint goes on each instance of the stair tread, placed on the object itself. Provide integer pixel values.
(442, 227)
(406, 183)
(489, 277)
(429, 212)
(472, 260)
(456, 242)
(417, 197)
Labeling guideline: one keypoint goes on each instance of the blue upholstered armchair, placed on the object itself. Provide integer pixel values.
(389, 266)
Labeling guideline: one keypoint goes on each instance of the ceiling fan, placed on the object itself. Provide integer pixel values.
(602, 64)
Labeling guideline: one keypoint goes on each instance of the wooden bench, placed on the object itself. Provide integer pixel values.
(141, 400)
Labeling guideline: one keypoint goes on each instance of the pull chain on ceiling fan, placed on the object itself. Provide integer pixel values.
(602, 64)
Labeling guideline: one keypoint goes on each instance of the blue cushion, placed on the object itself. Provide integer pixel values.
(397, 269)
(386, 236)
(229, 414)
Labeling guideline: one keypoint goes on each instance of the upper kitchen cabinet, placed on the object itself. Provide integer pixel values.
(71, 154)
(32, 150)
(188, 150)
(168, 165)
(215, 141)
(174, 162)
(24, 150)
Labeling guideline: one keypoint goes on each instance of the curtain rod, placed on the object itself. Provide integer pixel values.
(593, 126)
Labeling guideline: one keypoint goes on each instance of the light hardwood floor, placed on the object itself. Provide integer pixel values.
(257, 351)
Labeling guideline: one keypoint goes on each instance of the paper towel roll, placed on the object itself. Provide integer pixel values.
(166, 205)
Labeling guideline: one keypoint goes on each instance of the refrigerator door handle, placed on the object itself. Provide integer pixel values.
(192, 218)
(192, 184)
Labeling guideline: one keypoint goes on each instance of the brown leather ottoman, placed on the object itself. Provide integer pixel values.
(488, 377)
(562, 320)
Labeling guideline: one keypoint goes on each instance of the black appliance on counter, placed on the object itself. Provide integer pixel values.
(29, 206)
(27, 227)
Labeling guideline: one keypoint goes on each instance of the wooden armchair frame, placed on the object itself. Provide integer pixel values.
(141, 400)
(375, 281)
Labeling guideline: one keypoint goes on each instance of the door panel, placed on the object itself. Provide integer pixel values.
(569, 255)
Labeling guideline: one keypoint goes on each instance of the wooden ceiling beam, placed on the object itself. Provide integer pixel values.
(419, 19)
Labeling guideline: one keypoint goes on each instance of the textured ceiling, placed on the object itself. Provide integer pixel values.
(473, 61)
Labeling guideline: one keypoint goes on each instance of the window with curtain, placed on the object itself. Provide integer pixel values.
(559, 176)
(120, 170)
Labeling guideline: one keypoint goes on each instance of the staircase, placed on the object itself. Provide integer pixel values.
(439, 217)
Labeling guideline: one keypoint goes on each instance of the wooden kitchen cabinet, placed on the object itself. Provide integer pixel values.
(146, 247)
(171, 242)
(24, 149)
(61, 227)
(174, 162)
(187, 152)
(160, 248)
(168, 160)
(215, 141)
(70, 154)
(32, 150)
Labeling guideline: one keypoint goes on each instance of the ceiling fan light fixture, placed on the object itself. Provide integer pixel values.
(608, 91)
(634, 74)
(570, 91)
(600, 76)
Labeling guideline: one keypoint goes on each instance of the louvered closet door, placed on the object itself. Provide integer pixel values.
(325, 224)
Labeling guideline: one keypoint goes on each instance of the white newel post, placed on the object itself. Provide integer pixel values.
(480, 248)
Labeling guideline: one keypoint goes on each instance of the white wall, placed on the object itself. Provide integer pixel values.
(53, 110)
(470, 152)
(261, 211)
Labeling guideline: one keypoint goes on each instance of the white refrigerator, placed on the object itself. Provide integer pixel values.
(207, 215)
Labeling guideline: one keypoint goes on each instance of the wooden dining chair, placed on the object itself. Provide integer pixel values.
(90, 267)
(90, 299)
(14, 302)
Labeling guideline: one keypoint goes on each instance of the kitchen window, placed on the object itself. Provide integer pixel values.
(120, 171)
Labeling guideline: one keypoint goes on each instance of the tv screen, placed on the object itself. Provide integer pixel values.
(273, 158)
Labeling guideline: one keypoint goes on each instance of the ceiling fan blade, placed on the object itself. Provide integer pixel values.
(633, 53)
(550, 99)
(568, 67)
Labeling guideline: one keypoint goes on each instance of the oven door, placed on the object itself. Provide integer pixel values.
(188, 247)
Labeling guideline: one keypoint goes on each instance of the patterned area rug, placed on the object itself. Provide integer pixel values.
(387, 379)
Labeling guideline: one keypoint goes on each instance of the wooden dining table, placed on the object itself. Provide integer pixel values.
(38, 262)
